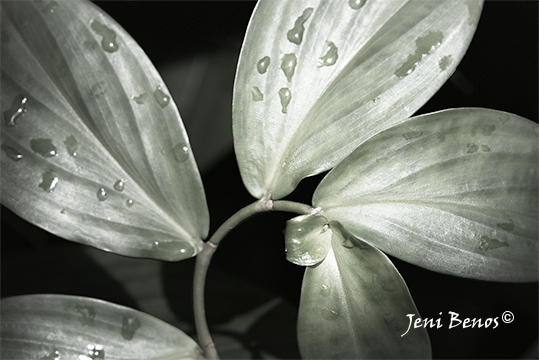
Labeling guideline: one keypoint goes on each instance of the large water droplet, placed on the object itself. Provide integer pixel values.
(288, 65)
(330, 57)
(87, 314)
(414, 134)
(485, 148)
(129, 202)
(43, 147)
(325, 291)
(286, 96)
(356, 4)
(140, 99)
(295, 35)
(329, 314)
(99, 88)
(262, 64)
(488, 130)
(130, 324)
(257, 94)
(161, 98)
(487, 243)
(17, 109)
(55, 355)
(510, 226)
(388, 318)
(119, 185)
(49, 180)
(444, 62)
(72, 145)
(424, 46)
(50, 7)
(102, 194)
(11, 153)
(181, 152)
(94, 351)
(472, 148)
(108, 41)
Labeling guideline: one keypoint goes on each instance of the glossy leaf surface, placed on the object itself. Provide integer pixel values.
(93, 147)
(73, 327)
(453, 191)
(354, 305)
(317, 78)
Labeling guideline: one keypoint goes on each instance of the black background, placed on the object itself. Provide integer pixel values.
(499, 71)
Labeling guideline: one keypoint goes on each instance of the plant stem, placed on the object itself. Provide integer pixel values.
(204, 258)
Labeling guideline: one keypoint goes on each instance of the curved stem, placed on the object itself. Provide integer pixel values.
(204, 258)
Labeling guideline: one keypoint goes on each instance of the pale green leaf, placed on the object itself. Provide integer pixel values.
(307, 240)
(453, 191)
(57, 327)
(300, 107)
(93, 147)
(355, 305)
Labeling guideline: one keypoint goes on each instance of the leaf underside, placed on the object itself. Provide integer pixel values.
(93, 147)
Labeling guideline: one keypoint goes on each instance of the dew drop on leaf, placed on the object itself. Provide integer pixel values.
(55, 355)
(356, 4)
(11, 153)
(424, 46)
(325, 291)
(329, 314)
(63, 211)
(257, 94)
(99, 88)
(129, 202)
(288, 65)
(72, 145)
(130, 325)
(390, 285)
(93, 351)
(102, 194)
(161, 98)
(487, 243)
(108, 41)
(389, 317)
(119, 185)
(488, 130)
(414, 134)
(140, 99)
(330, 57)
(87, 314)
(181, 152)
(510, 226)
(472, 148)
(286, 96)
(262, 64)
(43, 147)
(485, 148)
(49, 180)
(444, 62)
(17, 109)
(295, 35)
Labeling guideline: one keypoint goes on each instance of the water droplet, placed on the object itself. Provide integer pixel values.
(72, 145)
(472, 148)
(262, 64)
(286, 96)
(108, 41)
(510, 226)
(441, 137)
(390, 285)
(43, 147)
(181, 152)
(444, 62)
(119, 185)
(55, 355)
(87, 314)
(389, 317)
(93, 352)
(424, 46)
(161, 98)
(288, 65)
(356, 4)
(485, 148)
(49, 180)
(102, 194)
(295, 35)
(330, 57)
(130, 324)
(17, 109)
(325, 291)
(257, 94)
(140, 99)
(99, 89)
(487, 243)
(329, 314)
(50, 7)
(414, 134)
(11, 153)
(487, 130)
(129, 202)
(63, 211)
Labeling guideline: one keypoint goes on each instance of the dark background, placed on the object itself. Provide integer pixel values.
(499, 71)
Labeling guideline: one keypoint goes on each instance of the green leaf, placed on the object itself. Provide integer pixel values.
(307, 240)
(303, 103)
(93, 148)
(72, 327)
(453, 191)
(354, 305)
